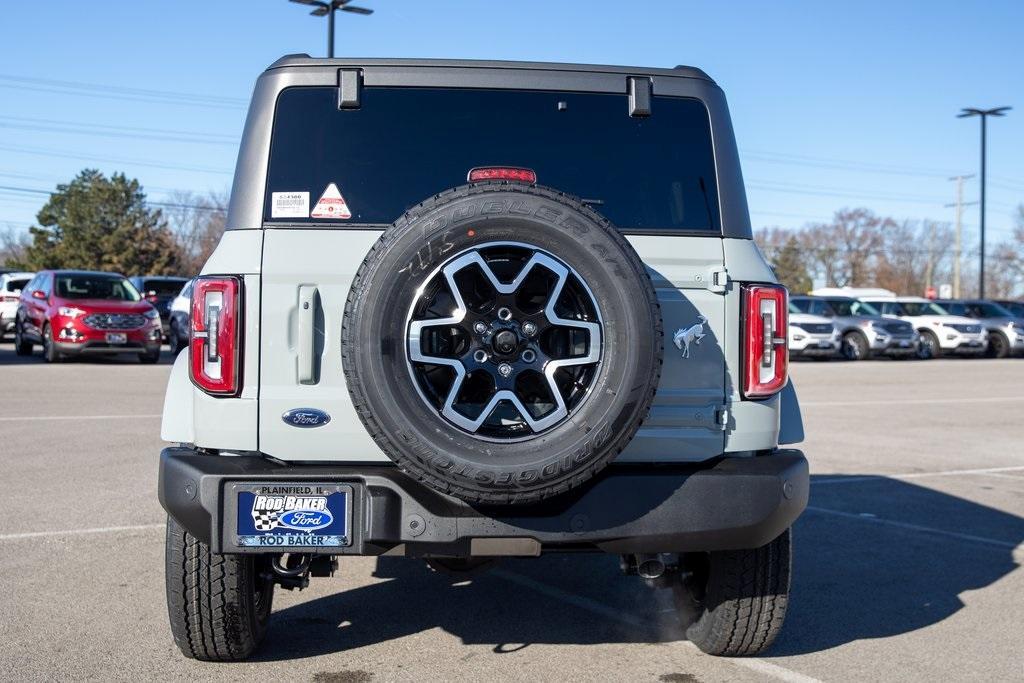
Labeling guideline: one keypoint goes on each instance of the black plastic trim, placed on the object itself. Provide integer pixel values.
(727, 503)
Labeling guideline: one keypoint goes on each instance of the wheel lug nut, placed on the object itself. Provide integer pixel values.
(480, 327)
(504, 369)
(529, 329)
(504, 313)
(529, 356)
(480, 356)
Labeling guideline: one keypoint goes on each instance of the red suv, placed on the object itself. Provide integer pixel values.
(71, 312)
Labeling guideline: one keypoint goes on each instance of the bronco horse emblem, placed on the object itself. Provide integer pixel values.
(690, 335)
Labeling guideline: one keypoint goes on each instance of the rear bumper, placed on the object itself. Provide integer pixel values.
(101, 347)
(730, 503)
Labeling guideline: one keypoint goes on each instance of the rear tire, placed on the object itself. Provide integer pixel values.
(734, 602)
(150, 357)
(22, 346)
(219, 605)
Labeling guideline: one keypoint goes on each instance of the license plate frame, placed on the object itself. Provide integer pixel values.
(267, 524)
(117, 338)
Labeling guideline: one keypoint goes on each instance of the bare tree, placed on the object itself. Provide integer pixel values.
(197, 222)
(13, 243)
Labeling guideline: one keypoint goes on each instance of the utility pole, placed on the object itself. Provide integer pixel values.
(328, 8)
(984, 114)
(959, 223)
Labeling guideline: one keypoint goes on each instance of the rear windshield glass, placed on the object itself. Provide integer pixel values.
(164, 287)
(16, 285)
(844, 308)
(404, 145)
(95, 287)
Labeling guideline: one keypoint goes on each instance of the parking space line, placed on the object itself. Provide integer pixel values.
(79, 532)
(915, 475)
(911, 401)
(29, 418)
(759, 665)
(906, 526)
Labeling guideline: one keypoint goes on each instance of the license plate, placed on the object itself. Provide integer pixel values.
(293, 515)
(824, 345)
(905, 344)
(974, 343)
(116, 337)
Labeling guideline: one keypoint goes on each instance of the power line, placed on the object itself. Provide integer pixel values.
(854, 165)
(167, 205)
(52, 126)
(826, 191)
(89, 158)
(120, 93)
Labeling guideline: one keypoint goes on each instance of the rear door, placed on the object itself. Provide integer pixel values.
(337, 177)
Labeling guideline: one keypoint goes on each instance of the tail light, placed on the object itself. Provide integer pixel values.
(215, 342)
(765, 352)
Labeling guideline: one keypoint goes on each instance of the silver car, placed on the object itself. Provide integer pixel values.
(862, 329)
(1005, 330)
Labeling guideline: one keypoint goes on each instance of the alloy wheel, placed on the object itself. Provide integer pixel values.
(504, 341)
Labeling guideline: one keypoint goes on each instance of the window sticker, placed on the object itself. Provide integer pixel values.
(331, 205)
(289, 205)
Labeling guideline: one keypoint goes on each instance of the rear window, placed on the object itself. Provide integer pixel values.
(16, 285)
(164, 287)
(404, 145)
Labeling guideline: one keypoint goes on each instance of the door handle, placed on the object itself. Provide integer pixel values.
(306, 340)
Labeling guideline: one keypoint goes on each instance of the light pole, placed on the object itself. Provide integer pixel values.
(984, 114)
(328, 8)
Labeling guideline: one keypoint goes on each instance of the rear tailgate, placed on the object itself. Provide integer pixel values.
(652, 176)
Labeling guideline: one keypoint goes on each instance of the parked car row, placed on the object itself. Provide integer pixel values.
(78, 312)
(860, 324)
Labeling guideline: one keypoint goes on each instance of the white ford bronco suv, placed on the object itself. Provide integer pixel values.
(471, 310)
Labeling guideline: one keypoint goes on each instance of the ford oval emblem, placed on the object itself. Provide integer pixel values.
(306, 520)
(306, 417)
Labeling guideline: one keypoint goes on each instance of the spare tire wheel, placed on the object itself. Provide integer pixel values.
(502, 342)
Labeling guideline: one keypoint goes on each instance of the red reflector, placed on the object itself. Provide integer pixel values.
(523, 175)
(765, 340)
(215, 340)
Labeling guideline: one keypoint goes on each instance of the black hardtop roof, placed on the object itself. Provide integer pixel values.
(300, 60)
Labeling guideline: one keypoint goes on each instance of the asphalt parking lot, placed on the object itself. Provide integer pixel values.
(906, 568)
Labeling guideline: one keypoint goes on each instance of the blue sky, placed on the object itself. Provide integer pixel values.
(834, 104)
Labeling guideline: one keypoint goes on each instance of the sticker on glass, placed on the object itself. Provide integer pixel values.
(289, 205)
(331, 205)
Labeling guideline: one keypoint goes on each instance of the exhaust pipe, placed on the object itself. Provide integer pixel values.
(649, 566)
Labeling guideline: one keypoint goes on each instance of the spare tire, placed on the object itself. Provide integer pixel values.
(502, 342)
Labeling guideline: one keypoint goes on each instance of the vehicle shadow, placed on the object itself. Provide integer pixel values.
(859, 576)
(8, 357)
(854, 578)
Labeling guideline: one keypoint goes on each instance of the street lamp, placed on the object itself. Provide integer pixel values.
(328, 9)
(984, 114)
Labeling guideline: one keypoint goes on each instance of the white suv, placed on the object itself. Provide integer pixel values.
(811, 336)
(941, 333)
(11, 285)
